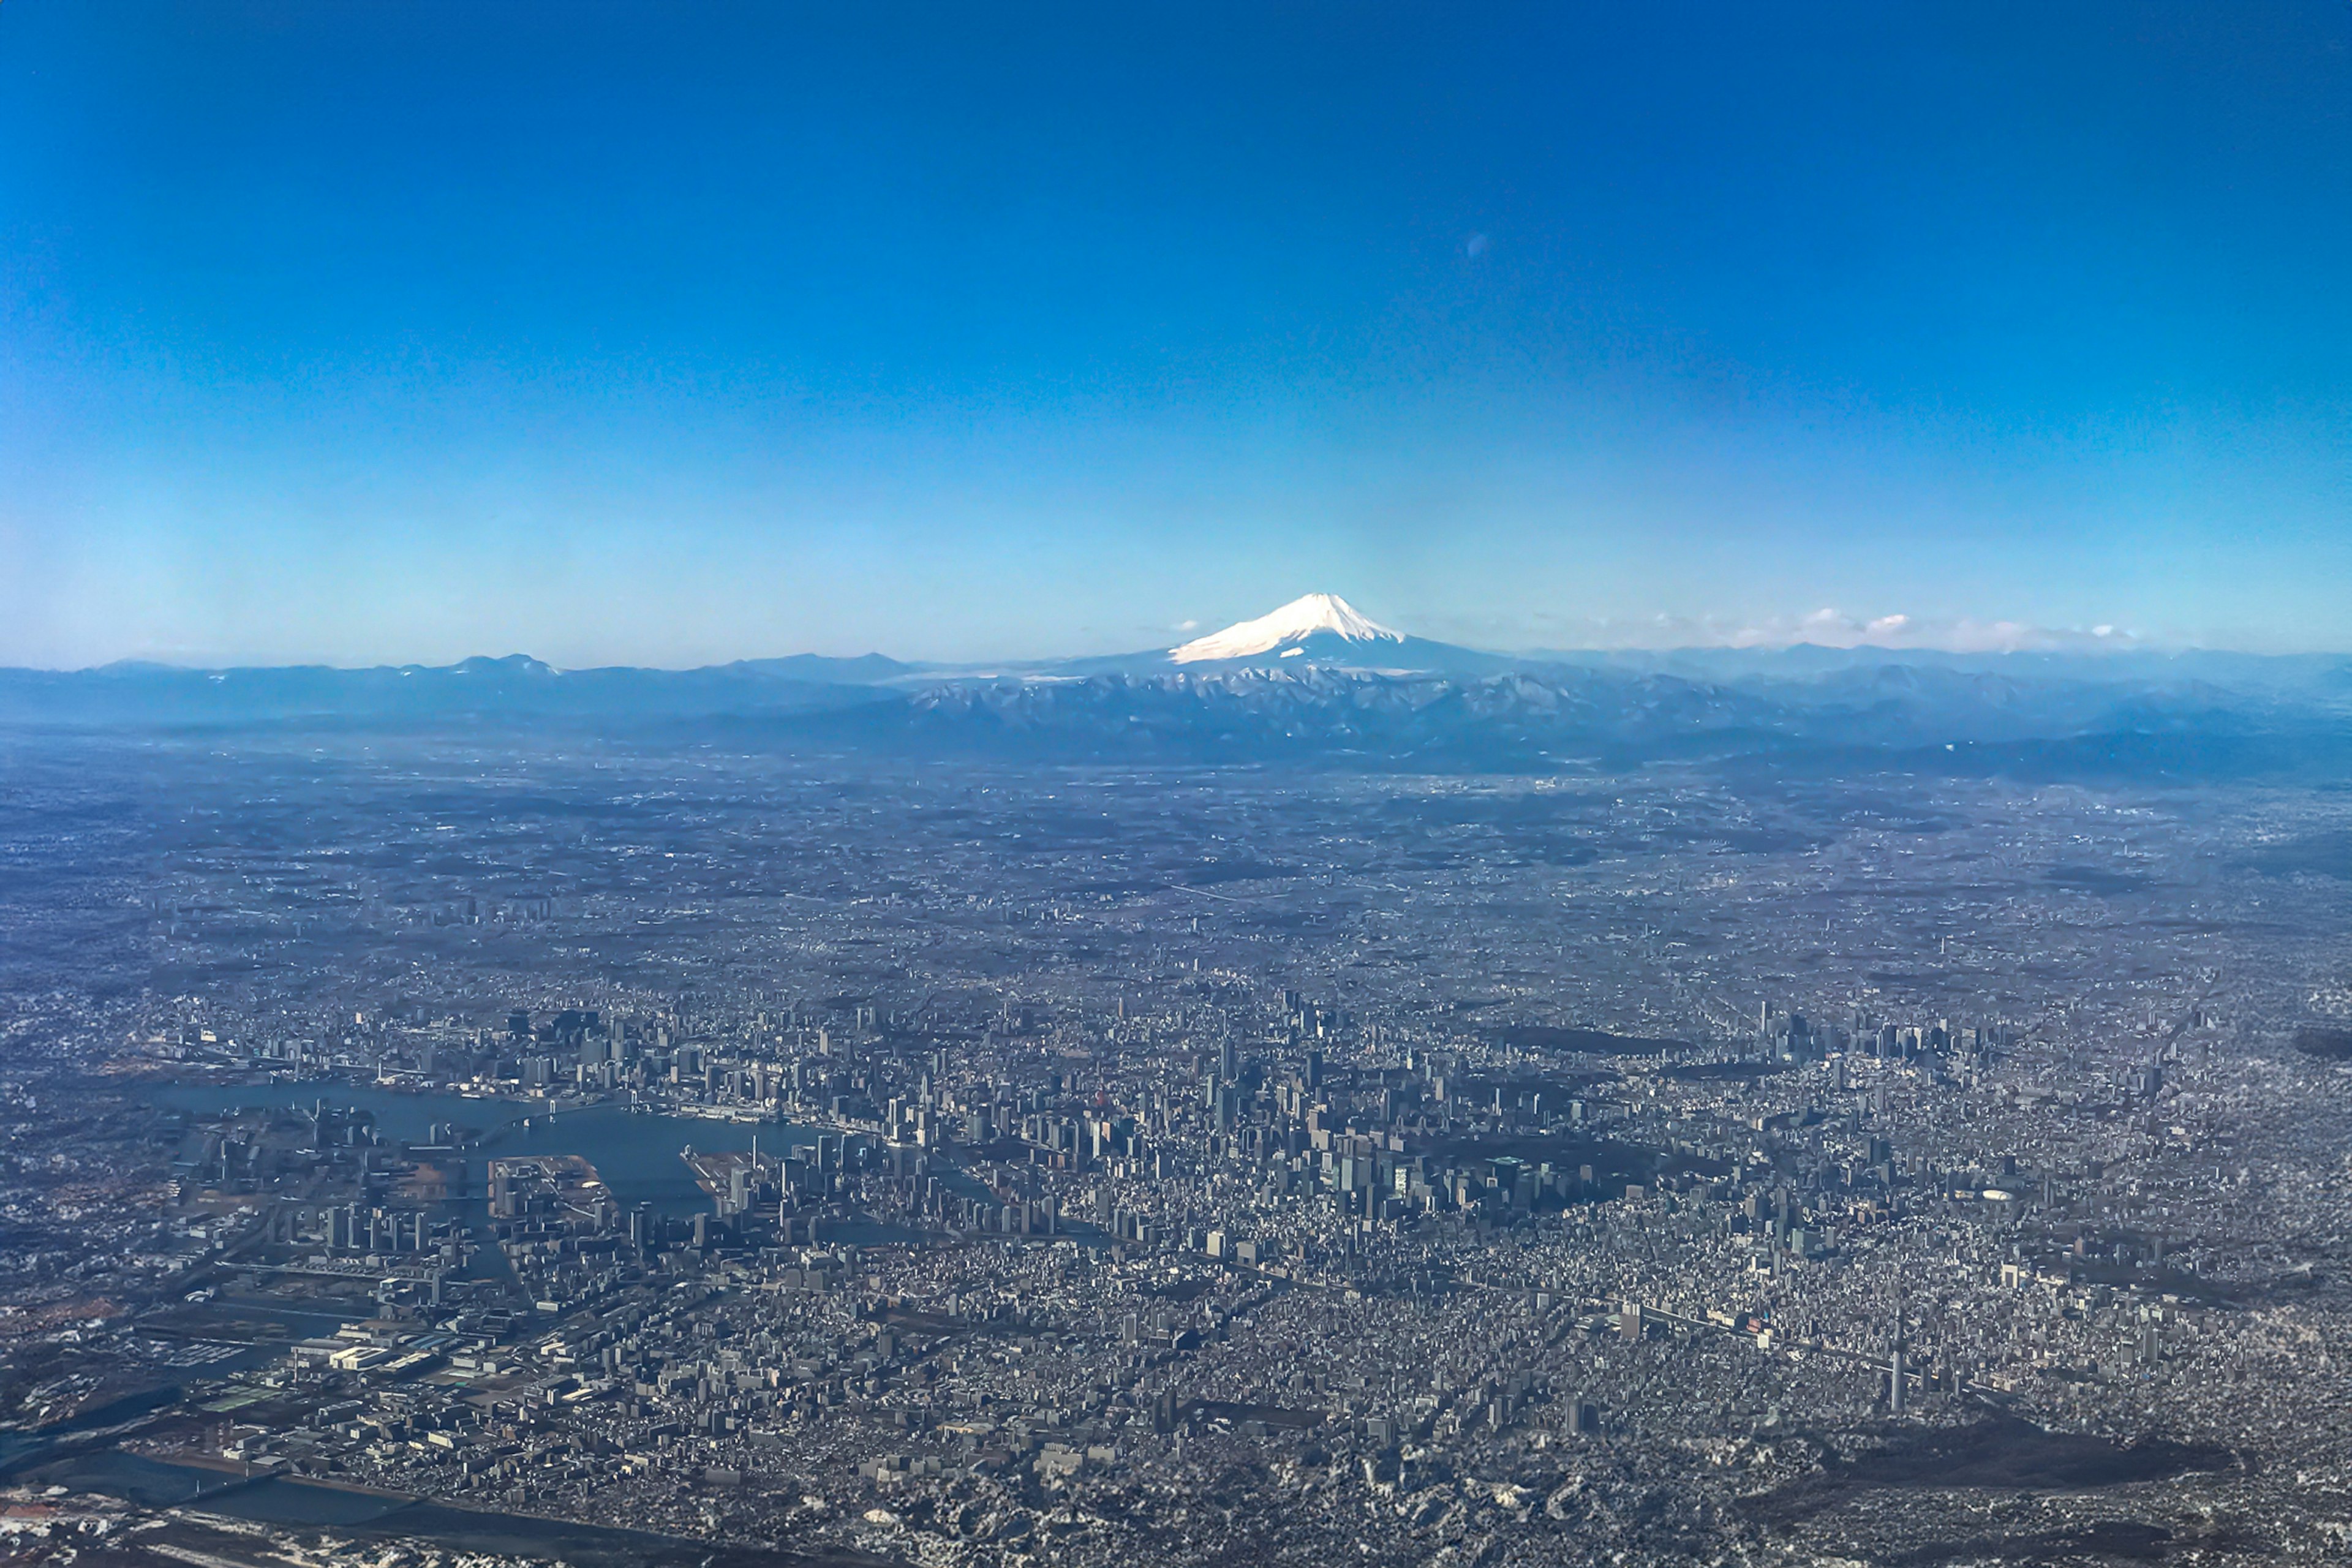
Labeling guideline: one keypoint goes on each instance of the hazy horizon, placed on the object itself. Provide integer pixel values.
(1995, 641)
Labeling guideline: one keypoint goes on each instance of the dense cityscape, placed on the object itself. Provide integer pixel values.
(1299, 785)
(417, 1147)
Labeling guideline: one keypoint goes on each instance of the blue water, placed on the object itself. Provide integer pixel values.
(637, 1156)
(148, 1482)
(400, 1118)
(277, 1500)
(20, 1448)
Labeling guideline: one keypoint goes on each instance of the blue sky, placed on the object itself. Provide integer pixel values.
(677, 333)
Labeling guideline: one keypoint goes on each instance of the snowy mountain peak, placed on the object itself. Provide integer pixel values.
(1308, 615)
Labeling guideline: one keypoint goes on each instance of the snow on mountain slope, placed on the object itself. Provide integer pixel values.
(1306, 617)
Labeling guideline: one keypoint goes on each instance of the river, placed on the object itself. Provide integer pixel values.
(637, 1155)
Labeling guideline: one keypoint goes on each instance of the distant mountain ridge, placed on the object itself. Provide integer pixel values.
(513, 686)
(1318, 680)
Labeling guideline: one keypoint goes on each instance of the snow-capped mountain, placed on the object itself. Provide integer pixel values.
(1286, 632)
(1313, 631)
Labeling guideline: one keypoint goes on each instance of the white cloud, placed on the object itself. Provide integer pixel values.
(1833, 628)
(1963, 633)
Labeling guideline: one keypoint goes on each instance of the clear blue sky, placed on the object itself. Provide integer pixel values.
(669, 334)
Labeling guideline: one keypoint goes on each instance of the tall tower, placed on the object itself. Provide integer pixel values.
(1895, 1376)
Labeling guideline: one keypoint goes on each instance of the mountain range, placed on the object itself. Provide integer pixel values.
(1316, 679)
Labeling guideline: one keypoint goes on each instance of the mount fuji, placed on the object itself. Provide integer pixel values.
(1288, 632)
(1317, 631)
